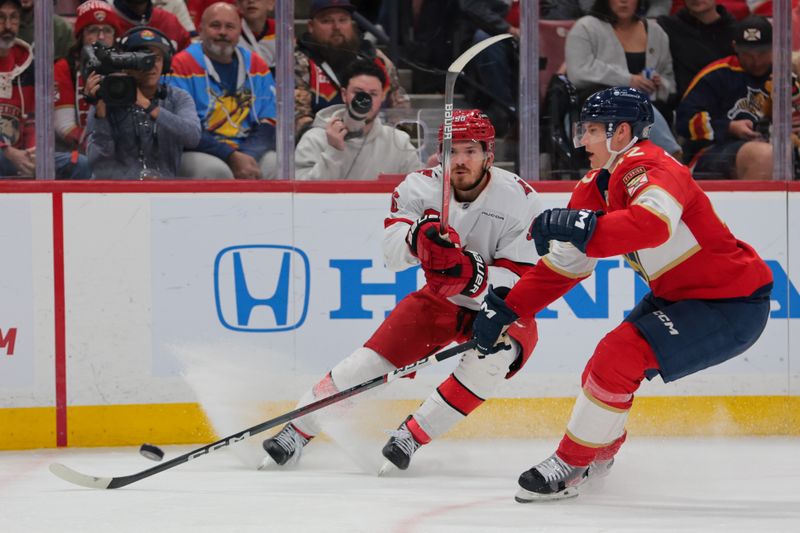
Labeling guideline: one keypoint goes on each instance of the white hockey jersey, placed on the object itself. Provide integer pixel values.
(495, 225)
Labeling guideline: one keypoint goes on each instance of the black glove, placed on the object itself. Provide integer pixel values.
(492, 320)
(566, 225)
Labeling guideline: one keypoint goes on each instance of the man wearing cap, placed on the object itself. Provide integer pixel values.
(234, 96)
(95, 22)
(323, 53)
(725, 113)
(145, 140)
(17, 105)
(62, 32)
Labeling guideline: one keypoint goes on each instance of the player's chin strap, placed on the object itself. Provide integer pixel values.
(615, 153)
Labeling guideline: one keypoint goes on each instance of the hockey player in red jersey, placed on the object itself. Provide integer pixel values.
(709, 298)
(490, 212)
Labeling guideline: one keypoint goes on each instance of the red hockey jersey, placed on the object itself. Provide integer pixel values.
(663, 223)
(17, 97)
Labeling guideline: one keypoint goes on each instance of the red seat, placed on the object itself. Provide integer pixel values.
(552, 40)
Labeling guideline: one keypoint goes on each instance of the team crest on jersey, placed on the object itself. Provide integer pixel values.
(756, 105)
(11, 122)
(634, 179)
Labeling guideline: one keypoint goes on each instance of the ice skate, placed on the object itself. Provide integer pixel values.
(284, 447)
(552, 479)
(399, 449)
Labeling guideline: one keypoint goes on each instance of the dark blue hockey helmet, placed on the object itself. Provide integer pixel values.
(614, 106)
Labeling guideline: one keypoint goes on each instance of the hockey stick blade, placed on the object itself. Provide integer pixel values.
(453, 72)
(76, 478)
(95, 482)
(462, 60)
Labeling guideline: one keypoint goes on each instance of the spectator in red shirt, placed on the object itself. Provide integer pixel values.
(197, 7)
(142, 13)
(17, 105)
(95, 22)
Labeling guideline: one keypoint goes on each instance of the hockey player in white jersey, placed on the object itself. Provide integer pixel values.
(487, 243)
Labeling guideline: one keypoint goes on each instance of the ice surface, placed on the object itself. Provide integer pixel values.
(697, 485)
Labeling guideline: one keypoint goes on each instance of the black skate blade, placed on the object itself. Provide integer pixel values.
(526, 496)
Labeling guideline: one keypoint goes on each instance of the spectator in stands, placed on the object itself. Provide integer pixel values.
(95, 22)
(181, 12)
(17, 133)
(616, 46)
(322, 54)
(725, 113)
(349, 141)
(258, 28)
(497, 66)
(575, 9)
(144, 140)
(142, 13)
(62, 31)
(234, 95)
(698, 34)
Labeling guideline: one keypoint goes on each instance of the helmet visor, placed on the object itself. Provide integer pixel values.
(584, 133)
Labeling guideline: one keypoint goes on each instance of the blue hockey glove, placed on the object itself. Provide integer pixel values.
(492, 320)
(566, 225)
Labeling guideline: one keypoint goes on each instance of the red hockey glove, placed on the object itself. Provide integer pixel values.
(433, 251)
(467, 276)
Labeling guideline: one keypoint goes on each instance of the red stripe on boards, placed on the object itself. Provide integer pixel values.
(59, 319)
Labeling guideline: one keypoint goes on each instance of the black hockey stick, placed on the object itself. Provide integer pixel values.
(453, 72)
(93, 482)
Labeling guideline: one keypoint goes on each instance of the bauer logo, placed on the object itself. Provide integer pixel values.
(261, 287)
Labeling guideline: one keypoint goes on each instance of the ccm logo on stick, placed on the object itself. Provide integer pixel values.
(261, 287)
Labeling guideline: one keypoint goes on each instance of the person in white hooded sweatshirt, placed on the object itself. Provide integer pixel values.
(349, 141)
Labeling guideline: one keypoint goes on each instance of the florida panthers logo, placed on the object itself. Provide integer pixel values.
(755, 105)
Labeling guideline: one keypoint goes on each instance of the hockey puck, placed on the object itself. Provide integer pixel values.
(152, 452)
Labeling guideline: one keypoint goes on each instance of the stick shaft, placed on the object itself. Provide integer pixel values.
(90, 481)
(453, 72)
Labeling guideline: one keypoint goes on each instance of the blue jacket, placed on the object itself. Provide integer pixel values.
(243, 121)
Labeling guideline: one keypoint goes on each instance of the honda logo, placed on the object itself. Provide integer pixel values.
(261, 287)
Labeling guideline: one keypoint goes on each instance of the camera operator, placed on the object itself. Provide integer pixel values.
(349, 141)
(138, 132)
